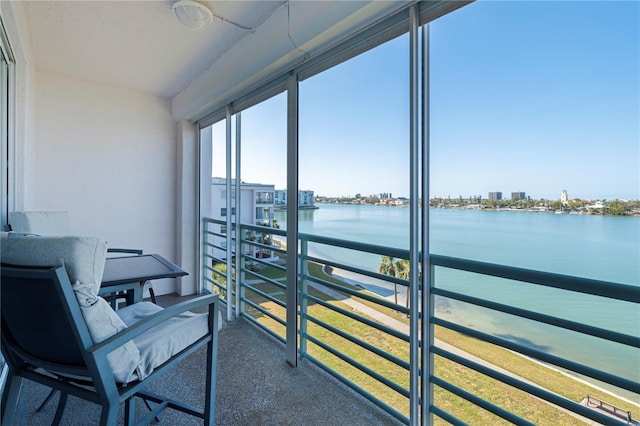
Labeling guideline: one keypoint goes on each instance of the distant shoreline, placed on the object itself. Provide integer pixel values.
(583, 211)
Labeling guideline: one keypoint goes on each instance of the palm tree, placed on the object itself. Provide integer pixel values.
(403, 271)
(388, 267)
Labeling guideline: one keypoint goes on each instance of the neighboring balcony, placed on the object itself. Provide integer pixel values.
(366, 338)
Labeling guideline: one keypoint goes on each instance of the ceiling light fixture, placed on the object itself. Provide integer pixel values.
(192, 15)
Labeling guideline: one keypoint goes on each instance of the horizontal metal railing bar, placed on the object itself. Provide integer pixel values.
(262, 327)
(261, 261)
(264, 229)
(215, 246)
(207, 279)
(613, 336)
(372, 274)
(217, 284)
(377, 300)
(605, 289)
(486, 405)
(216, 234)
(262, 277)
(543, 356)
(262, 245)
(346, 358)
(212, 257)
(445, 416)
(265, 295)
(536, 391)
(382, 327)
(371, 348)
(354, 245)
(262, 310)
(219, 273)
(389, 409)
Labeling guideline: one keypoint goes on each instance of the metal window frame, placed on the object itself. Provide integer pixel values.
(408, 19)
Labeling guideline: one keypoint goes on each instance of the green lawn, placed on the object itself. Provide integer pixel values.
(518, 402)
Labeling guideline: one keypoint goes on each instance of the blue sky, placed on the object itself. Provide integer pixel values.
(525, 96)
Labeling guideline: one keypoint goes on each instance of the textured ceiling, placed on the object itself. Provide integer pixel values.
(135, 44)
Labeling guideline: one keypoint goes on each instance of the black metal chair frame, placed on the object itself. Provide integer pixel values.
(45, 339)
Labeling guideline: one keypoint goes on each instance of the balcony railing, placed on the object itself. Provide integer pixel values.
(362, 337)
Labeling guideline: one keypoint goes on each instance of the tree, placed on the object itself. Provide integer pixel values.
(617, 208)
(403, 270)
(387, 267)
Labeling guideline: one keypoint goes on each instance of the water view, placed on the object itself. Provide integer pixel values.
(595, 247)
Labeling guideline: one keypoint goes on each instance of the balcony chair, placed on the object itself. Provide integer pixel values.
(58, 224)
(58, 332)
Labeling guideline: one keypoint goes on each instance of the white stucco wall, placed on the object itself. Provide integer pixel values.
(23, 137)
(108, 156)
(115, 159)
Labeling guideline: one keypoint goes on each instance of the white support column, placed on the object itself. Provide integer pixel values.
(205, 207)
(187, 215)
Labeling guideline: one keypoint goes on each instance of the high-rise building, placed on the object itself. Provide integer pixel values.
(495, 196)
(515, 196)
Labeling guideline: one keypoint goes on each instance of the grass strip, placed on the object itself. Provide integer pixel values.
(511, 399)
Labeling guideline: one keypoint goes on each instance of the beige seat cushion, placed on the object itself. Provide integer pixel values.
(162, 342)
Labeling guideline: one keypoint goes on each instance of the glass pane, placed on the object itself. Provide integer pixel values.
(535, 127)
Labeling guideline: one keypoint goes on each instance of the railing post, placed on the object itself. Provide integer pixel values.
(240, 275)
(304, 288)
(428, 271)
(229, 208)
(414, 238)
(238, 204)
(292, 221)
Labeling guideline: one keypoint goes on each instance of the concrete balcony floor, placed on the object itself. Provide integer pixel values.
(255, 386)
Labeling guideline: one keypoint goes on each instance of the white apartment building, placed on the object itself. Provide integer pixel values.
(256, 206)
(305, 198)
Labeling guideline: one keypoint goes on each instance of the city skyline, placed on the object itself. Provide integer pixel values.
(549, 99)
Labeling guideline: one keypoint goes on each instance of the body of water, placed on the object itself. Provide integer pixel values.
(596, 247)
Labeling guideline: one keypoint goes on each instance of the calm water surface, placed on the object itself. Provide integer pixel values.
(603, 248)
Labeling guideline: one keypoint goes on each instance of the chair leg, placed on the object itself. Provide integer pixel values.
(152, 293)
(46, 400)
(109, 414)
(10, 398)
(62, 403)
(212, 360)
(130, 411)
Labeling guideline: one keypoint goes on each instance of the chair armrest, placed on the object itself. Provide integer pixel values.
(123, 336)
(124, 250)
